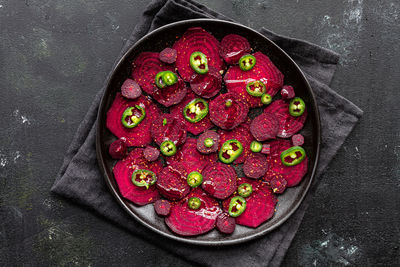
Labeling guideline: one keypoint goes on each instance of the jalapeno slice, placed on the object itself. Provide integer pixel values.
(230, 151)
(132, 116)
(245, 190)
(228, 103)
(143, 178)
(159, 80)
(168, 148)
(199, 62)
(164, 122)
(194, 203)
(247, 62)
(169, 78)
(297, 107)
(266, 99)
(256, 88)
(208, 142)
(293, 156)
(237, 206)
(256, 146)
(195, 110)
(194, 179)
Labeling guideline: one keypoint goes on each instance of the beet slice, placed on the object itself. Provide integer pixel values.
(265, 126)
(162, 207)
(219, 180)
(278, 184)
(123, 175)
(170, 95)
(287, 92)
(194, 128)
(292, 174)
(288, 125)
(225, 223)
(227, 111)
(151, 153)
(264, 70)
(233, 47)
(168, 55)
(118, 149)
(255, 165)
(243, 135)
(193, 40)
(187, 222)
(190, 157)
(168, 127)
(130, 89)
(207, 85)
(171, 182)
(297, 140)
(260, 207)
(266, 149)
(201, 147)
(139, 135)
(145, 68)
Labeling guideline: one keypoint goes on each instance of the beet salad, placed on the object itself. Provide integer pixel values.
(187, 144)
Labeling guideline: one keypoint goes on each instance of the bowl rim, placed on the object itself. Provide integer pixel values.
(103, 168)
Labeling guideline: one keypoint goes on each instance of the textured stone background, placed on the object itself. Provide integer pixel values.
(54, 56)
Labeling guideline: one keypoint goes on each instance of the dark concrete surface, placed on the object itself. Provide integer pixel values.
(54, 56)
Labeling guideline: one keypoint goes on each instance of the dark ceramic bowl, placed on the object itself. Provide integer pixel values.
(158, 40)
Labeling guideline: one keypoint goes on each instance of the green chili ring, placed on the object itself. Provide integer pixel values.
(199, 62)
(245, 190)
(255, 146)
(266, 99)
(256, 88)
(293, 156)
(194, 203)
(144, 180)
(168, 148)
(169, 78)
(129, 119)
(230, 150)
(297, 107)
(247, 62)
(194, 179)
(195, 110)
(237, 206)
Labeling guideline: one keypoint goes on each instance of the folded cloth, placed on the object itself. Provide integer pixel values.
(80, 180)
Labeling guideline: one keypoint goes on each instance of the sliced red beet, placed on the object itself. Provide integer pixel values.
(292, 174)
(266, 149)
(297, 140)
(139, 135)
(130, 89)
(172, 183)
(201, 147)
(168, 127)
(123, 175)
(225, 223)
(287, 92)
(233, 47)
(255, 166)
(243, 135)
(190, 157)
(264, 126)
(207, 85)
(151, 153)
(278, 184)
(162, 207)
(260, 207)
(264, 70)
(196, 40)
(227, 111)
(168, 55)
(219, 180)
(288, 125)
(187, 222)
(194, 128)
(118, 149)
(170, 95)
(145, 68)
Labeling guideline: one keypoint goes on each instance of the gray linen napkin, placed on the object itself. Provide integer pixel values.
(80, 180)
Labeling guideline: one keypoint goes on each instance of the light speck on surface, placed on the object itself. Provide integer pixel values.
(23, 119)
(17, 155)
